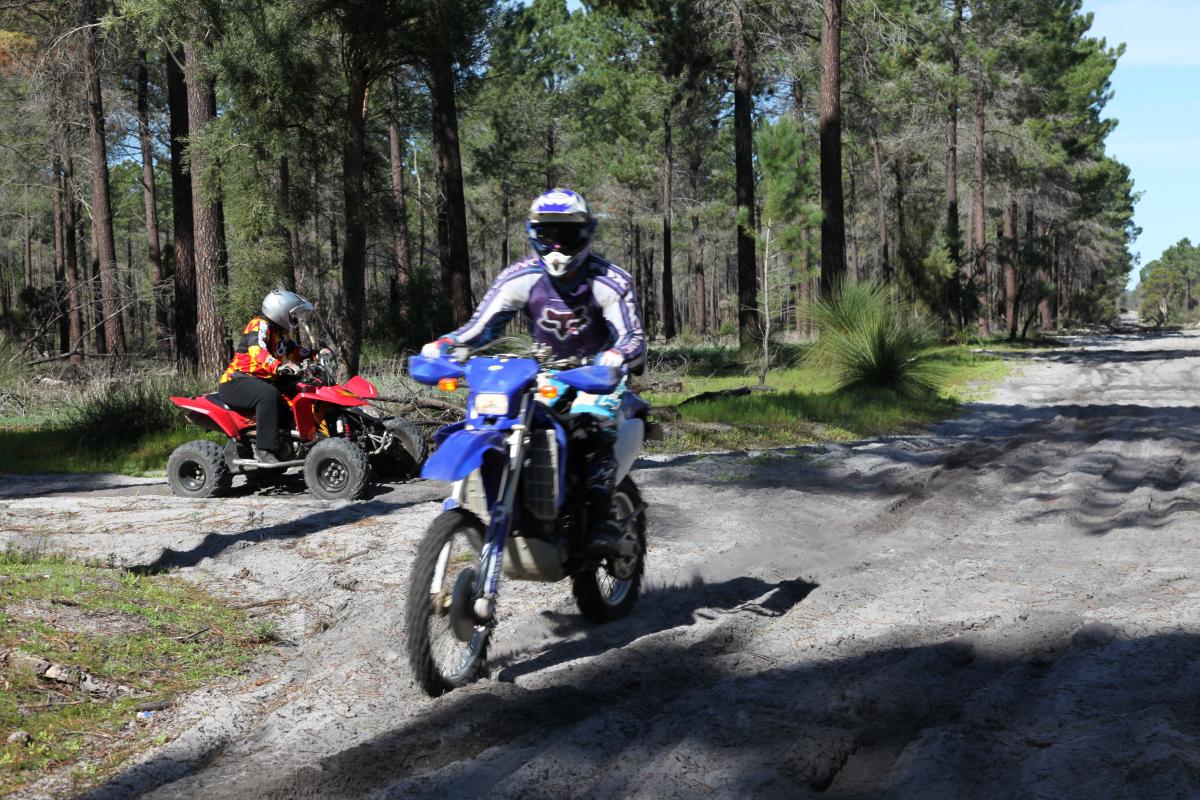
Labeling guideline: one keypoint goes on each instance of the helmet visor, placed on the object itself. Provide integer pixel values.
(562, 237)
(300, 313)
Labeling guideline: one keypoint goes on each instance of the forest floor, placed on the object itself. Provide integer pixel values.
(1003, 605)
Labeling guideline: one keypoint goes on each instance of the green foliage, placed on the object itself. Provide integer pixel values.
(868, 340)
(1168, 285)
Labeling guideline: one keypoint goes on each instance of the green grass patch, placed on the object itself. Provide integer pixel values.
(156, 635)
(804, 405)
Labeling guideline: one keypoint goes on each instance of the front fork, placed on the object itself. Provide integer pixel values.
(491, 557)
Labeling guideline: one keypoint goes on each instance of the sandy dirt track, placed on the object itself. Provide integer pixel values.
(1006, 606)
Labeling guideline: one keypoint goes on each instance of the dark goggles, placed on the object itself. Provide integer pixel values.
(563, 238)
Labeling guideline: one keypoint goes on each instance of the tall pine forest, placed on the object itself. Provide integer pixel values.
(165, 163)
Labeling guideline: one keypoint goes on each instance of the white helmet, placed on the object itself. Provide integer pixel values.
(286, 309)
(560, 229)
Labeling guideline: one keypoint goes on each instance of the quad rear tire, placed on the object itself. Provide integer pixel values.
(336, 469)
(198, 470)
(447, 646)
(610, 591)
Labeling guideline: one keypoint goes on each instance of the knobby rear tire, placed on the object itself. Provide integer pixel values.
(198, 470)
(419, 610)
(599, 593)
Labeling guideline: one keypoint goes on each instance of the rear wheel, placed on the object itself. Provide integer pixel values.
(610, 591)
(447, 645)
(198, 469)
(336, 469)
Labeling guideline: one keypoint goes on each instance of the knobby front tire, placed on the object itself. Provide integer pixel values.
(439, 657)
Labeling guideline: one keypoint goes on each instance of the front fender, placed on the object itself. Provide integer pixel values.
(461, 453)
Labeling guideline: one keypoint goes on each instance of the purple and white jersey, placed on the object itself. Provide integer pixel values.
(600, 313)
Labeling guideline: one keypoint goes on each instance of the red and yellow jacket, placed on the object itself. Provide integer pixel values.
(263, 347)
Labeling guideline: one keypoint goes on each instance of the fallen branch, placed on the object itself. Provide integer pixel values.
(741, 391)
(410, 404)
(61, 356)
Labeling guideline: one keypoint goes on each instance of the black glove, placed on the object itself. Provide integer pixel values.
(288, 368)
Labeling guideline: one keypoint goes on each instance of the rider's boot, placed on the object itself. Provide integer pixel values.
(265, 456)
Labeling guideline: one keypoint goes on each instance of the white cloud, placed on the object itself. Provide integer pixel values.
(1156, 32)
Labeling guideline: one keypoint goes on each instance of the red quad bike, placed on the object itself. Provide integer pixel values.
(340, 439)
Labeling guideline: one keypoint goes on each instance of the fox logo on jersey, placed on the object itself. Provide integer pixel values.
(564, 323)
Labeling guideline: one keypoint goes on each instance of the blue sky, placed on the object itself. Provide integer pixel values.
(1157, 103)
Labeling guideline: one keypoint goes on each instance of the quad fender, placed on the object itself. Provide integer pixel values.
(461, 453)
(302, 406)
(203, 412)
(362, 387)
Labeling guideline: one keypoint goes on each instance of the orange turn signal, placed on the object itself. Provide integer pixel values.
(548, 392)
(448, 384)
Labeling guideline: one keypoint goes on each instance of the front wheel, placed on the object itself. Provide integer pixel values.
(610, 591)
(447, 646)
(336, 469)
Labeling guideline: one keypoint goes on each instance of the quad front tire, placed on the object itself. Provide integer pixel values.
(610, 591)
(198, 469)
(336, 469)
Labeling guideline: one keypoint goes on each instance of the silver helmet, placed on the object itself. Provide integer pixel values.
(286, 309)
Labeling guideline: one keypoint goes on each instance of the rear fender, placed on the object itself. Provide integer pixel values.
(200, 411)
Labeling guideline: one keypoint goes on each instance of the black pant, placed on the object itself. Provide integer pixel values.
(592, 442)
(260, 398)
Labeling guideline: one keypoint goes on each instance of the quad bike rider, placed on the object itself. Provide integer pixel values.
(332, 430)
(265, 366)
(580, 306)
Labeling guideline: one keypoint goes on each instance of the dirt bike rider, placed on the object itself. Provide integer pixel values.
(264, 360)
(579, 305)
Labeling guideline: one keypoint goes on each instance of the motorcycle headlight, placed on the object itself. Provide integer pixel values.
(491, 404)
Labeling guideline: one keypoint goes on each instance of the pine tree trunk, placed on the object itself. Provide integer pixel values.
(885, 267)
(74, 296)
(668, 285)
(699, 321)
(61, 298)
(210, 329)
(291, 232)
(186, 354)
(162, 331)
(903, 263)
(1009, 249)
(954, 287)
(979, 228)
(452, 211)
(104, 246)
(743, 146)
(354, 252)
(400, 240)
(833, 224)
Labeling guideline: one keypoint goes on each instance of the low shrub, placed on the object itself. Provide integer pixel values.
(870, 340)
(118, 414)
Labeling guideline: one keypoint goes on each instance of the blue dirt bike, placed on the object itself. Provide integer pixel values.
(515, 507)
